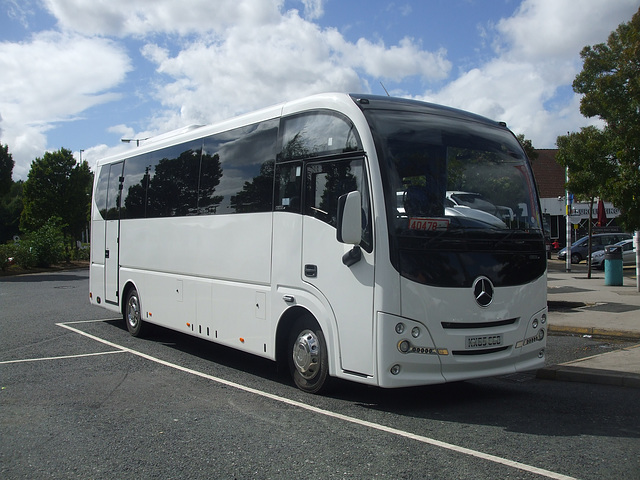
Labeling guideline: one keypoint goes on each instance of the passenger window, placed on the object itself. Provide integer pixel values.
(318, 133)
(238, 173)
(100, 195)
(325, 182)
(112, 211)
(288, 191)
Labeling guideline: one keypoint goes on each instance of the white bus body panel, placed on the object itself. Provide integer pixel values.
(348, 290)
(428, 307)
(221, 292)
(227, 247)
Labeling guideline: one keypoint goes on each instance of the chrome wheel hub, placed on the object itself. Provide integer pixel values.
(305, 354)
(133, 312)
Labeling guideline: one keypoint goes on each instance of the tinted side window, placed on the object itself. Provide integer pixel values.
(173, 181)
(100, 195)
(288, 190)
(325, 182)
(318, 133)
(114, 192)
(137, 171)
(162, 183)
(240, 166)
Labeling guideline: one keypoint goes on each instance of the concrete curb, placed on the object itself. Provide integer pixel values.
(619, 368)
(594, 332)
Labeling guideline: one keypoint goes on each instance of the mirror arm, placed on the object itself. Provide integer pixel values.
(352, 257)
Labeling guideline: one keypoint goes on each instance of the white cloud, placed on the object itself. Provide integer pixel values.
(52, 78)
(216, 78)
(543, 29)
(20, 11)
(142, 17)
(313, 9)
(215, 59)
(395, 62)
(537, 55)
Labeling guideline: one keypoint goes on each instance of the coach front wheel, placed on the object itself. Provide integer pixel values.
(308, 359)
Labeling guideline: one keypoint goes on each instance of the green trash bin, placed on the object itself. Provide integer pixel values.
(613, 265)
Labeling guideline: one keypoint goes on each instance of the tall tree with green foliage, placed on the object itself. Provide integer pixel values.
(10, 197)
(6, 170)
(610, 83)
(528, 147)
(590, 166)
(57, 186)
(10, 210)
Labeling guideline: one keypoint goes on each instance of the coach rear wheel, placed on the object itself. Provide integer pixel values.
(133, 313)
(308, 359)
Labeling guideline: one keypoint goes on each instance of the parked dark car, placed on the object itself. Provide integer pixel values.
(598, 242)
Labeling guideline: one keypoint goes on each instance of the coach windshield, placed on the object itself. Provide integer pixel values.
(461, 200)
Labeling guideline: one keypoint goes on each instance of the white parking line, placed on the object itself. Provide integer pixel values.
(393, 431)
(100, 320)
(96, 354)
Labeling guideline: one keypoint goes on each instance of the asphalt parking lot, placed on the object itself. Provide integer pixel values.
(81, 398)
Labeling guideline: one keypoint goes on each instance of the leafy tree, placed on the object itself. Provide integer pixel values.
(10, 197)
(6, 170)
(47, 243)
(590, 167)
(610, 83)
(10, 209)
(528, 148)
(57, 187)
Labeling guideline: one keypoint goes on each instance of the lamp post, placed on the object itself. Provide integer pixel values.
(137, 140)
(569, 198)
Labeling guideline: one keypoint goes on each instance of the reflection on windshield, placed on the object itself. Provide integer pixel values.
(449, 175)
(461, 201)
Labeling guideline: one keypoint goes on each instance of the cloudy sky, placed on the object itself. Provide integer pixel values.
(82, 74)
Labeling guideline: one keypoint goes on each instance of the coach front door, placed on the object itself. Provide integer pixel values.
(348, 289)
(112, 234)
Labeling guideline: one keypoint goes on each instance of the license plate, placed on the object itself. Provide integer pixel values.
(484, 341)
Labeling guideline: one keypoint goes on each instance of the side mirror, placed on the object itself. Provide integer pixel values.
(350, 218)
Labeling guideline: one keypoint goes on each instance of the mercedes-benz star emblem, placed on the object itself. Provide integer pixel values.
(483, 291)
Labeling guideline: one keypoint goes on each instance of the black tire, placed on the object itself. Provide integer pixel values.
(576, 258)
(308, 358)
(132, 313)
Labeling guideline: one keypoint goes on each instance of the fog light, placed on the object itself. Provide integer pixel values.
(400, 328)
(541, 334)
(415, 332)
(534, 324)
(395, 370)
(404, 346)
(541, 353)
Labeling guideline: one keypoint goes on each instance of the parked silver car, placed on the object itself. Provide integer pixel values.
(628, 255)
(579, 249)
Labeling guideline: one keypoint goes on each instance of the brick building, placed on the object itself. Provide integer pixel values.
(550, 177)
